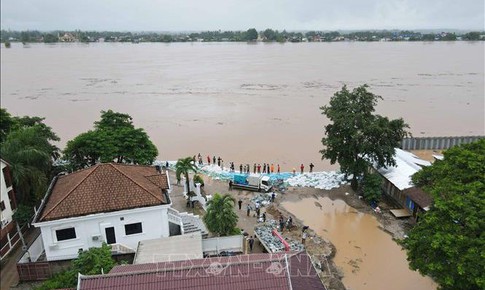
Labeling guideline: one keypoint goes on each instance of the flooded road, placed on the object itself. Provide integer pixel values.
(368, 256)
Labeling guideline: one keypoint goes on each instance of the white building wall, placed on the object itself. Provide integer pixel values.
(7, 213)
(154, 225)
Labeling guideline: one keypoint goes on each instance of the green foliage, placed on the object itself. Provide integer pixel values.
(356, 138)
(198, 179)
(113, 139)
(220, 217)
(448, 243)
(184, 166)
(371, 187)
(251, 34)
(50, 38)
(91, 262)
(474, 35)
(6, 124)
(29, 154)
(23, 214)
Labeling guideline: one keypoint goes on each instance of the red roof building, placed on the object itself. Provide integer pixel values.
(257, 271)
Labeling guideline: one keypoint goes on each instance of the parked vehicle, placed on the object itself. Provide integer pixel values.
(253, 182)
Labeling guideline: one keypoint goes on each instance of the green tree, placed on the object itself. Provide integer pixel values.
(91, 262)
(50, 38)
(371, 187)
(356, 138)
(220, 217)
(448, 243)
(114, 138)
(474, 35)
(251, 34)
(184, 166)
(29, 154)
(6, 124)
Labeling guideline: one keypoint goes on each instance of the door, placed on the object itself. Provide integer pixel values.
(110, 235)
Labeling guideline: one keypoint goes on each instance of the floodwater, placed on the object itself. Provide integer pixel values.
(368, 256)
(244, 102)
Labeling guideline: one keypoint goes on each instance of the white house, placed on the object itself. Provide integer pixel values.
(8, 205)
(114, 203)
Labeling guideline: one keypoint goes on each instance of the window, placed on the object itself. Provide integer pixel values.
(66, 234)
(2, 205)
(6, 176)
(11, 196)
(132, 229)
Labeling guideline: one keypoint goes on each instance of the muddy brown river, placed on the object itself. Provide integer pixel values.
(244, 102)
(368, 257)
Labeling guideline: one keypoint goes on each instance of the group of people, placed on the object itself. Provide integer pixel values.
(288, 223)
(266, 168)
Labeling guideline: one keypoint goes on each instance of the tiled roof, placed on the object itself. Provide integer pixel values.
(105, 187)
(257, 271)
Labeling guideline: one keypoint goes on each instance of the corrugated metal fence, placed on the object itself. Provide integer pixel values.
(436, 143)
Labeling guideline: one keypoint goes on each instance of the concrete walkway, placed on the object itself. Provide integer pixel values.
(8, 272)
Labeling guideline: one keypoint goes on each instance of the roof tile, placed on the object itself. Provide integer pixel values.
(105, 187)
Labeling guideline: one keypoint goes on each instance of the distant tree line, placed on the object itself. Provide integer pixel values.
(268, 35)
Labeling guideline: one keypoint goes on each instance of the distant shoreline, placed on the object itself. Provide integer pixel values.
(251, 35)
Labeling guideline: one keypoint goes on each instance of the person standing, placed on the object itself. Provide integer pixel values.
(272, 167)
(219, 161)
(303, 237)
(208, 160)
(282, 223)
(222, 164)
(251, 243)
(264, 167)
(254, 168)
(230, 187)
(302, 167)
(248, 210)
(259, 168)
(264, 217)
(240, 168)
(239, 203)
(278, 168)
(273, 195)
(289, 223)
(311, 167)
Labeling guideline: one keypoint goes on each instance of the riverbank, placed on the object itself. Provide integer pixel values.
(321, 249)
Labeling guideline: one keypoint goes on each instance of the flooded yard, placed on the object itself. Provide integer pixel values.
(368, 256)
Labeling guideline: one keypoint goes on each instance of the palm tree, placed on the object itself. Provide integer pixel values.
(184, 166)
(220, 217)
(30, 157)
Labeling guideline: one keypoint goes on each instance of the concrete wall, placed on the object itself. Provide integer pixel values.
(214, 246)
(436, 143)
(154, 225)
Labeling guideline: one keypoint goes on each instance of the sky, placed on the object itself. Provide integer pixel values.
(201, 15)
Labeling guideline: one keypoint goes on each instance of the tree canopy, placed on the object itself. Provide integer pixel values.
(26, 145)
(251, 34)
(91, 262)
(220, 217)
(114, 138)
(448, 243)
(356, 137)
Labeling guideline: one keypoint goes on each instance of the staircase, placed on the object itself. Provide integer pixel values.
(193, 223)
(188, 222)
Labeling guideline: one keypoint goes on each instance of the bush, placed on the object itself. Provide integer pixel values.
(371, 187)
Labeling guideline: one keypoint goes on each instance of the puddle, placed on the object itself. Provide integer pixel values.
(369, 258)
